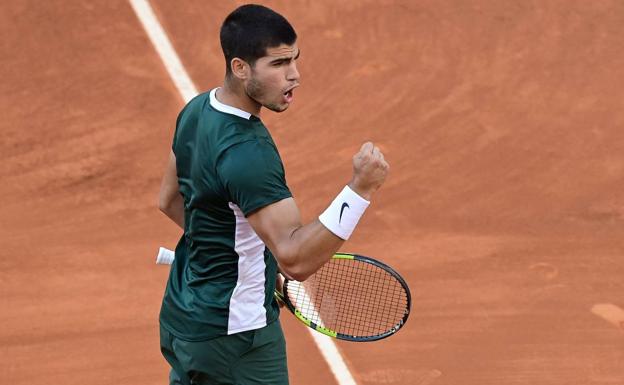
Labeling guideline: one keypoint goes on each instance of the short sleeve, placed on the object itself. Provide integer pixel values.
(175, 132)
(184, 117)
(252, 175)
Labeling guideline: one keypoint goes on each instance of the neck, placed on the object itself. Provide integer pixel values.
(233, 94)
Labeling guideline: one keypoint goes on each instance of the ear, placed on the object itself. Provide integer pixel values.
(240, 68)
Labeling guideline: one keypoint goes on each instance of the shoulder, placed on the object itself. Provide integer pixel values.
(191, 111)
(197, 103)
(250, 155)
(252, 175)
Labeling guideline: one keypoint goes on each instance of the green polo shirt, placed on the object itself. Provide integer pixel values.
(223, 276)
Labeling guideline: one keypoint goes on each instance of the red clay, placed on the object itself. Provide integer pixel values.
(504, 210)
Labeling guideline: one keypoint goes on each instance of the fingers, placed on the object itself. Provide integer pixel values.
(369, 170)
(367, 147)
(378, 156)
(370, 152)
(383, 162)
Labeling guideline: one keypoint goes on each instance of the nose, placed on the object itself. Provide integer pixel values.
(293, 73)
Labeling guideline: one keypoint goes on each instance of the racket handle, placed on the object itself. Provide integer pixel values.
(165, 256)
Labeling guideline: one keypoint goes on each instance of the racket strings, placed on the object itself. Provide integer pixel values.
(351, 297)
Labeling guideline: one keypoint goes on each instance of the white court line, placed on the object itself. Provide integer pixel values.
(610, 313)
(187, 90)
(163, 46)
(329, 350)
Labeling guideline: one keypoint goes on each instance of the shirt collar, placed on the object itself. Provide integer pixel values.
(217, 105)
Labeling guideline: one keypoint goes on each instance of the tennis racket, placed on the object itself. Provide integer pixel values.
(351, 298)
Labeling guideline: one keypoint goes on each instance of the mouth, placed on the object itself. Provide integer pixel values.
(288, 95)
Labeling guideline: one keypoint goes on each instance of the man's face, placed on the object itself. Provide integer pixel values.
(273, 78)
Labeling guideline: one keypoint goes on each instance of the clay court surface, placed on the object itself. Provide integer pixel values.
(503, 122)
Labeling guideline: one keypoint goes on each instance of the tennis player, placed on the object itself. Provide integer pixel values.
(225, 186)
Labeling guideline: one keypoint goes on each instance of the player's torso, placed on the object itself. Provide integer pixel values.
(224, 275)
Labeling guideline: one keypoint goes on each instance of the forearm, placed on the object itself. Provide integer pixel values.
(302, 250)
(174, 209)
(308, 248)
(170, 201)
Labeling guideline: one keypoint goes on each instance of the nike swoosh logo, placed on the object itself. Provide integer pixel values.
(344, 204)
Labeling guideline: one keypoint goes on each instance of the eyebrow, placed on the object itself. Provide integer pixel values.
(279, 59)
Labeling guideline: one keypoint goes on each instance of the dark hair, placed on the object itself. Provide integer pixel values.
(249, 30)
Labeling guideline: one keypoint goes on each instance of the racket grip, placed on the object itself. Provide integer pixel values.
(165, 256)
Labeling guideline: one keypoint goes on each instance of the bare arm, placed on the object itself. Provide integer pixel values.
(170, 200)
(301, 250)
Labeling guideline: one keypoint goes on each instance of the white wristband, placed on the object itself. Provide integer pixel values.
(343, 213)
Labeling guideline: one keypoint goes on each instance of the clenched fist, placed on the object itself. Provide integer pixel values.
(369, 170)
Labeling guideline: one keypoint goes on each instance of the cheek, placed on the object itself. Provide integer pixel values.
(254, 88)
(270, 78)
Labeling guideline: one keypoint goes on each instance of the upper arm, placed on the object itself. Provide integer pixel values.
(169, 188)
(300, 250)
(275, 225)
